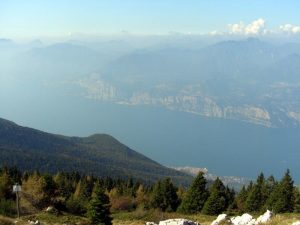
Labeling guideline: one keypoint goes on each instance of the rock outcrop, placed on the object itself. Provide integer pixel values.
(174, 222)
(266, 217)
(221, 218)
(245, 219)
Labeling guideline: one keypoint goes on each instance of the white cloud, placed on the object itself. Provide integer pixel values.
(289, 28)
(256, 27)
(236, 28)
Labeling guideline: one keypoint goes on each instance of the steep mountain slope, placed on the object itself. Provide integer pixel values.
(99, 154)
(246, 80)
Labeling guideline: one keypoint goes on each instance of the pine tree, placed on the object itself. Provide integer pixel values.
(170, 195)
(216, 202)
(98, 209)
(282, 198)
(230, 198)
(164, 196)
(255, 199)
(196, 196)
(296, 200)
(156, 198)
(241, 200)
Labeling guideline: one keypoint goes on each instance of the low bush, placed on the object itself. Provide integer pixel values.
(7, 208)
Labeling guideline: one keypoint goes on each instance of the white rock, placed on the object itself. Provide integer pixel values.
(252, 222)
(151, 223)
(296, 223)
(37, 223)
(245, 219)
(220, 218)
(49, 209)
(178, 222)
(265, 217)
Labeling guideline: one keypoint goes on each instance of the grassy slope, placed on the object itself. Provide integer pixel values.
(139, 218)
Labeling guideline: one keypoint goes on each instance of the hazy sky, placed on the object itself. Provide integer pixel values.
(34, 18)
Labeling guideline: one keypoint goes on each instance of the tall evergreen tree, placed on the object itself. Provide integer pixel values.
(164, 196)
(255, 199)
(241, 200)
(296, 200)
(282, 198)
(216, 202)
(196, 196)
(230, 198)
(98, 209)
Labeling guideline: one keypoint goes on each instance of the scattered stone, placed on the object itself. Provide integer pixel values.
(245, 219)
(34, 222)
(220, 218)
(296, 223)
(178, 222)
(266, 217)
(151, 223)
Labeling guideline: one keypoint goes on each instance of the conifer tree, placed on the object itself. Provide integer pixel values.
(98, 209)
(216, 202)
(230, 198)
(256, 199)
(164, 196)
(196, 196)
(282, 198)
(241, 200)
(296, 200)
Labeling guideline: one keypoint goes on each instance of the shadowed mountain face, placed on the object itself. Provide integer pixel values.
(99, 154)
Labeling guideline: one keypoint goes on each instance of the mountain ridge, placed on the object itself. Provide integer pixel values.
(98, 154)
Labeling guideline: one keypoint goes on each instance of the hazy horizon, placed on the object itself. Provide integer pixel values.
(201, 81)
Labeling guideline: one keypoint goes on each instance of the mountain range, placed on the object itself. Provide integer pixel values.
(99, 154)
(220, 104)
(248, 80)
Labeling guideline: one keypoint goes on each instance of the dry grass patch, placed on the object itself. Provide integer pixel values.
(5, 221)
(284, 219)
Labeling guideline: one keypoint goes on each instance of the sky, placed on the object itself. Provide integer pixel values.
(35, 18)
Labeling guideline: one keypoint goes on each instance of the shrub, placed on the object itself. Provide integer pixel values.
(123, 203)
(7, 208)
(75, 206)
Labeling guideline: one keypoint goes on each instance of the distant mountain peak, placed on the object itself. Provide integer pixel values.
(4, 122)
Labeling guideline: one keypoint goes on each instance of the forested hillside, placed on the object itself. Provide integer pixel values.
(99, 154)
(74, 194)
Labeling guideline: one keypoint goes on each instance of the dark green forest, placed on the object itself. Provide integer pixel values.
(100, 154)
(98, 197)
